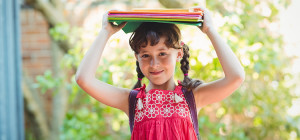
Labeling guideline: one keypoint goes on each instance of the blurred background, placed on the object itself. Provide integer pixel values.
(55, 34)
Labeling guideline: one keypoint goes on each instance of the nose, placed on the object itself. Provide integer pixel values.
(154, 62)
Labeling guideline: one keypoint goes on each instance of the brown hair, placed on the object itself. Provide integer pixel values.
(152, 32)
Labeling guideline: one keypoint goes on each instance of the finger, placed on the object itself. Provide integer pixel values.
(112, 24)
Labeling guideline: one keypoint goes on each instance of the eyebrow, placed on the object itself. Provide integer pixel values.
(161, 49)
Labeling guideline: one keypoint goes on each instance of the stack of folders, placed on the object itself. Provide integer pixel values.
(136, 16)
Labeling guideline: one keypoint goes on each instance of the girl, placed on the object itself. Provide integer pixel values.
(161, 111)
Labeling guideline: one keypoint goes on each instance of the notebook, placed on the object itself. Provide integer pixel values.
(137, 16)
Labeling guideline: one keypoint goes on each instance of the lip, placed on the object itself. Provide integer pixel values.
(156, 73)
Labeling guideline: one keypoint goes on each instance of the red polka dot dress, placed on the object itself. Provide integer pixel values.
(162, 115)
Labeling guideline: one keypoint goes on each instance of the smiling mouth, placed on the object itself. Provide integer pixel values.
(156, 73)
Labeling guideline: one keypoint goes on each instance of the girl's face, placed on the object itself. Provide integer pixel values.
(158, 62)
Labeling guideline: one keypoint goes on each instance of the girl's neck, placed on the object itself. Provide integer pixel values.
(169, 85)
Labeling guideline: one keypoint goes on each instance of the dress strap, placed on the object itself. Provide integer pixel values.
(140, 96)
(179, 82)
(142, 93)
(178, 87)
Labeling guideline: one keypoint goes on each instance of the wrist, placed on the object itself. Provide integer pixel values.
(105, 34)
(209, 31)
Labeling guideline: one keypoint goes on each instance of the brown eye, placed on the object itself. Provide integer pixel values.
(162, 54)
(145, 55)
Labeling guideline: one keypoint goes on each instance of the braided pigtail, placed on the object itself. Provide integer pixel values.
(187, 82)
(140, 76)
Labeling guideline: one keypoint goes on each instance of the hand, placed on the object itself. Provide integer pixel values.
(207, 20)
(109, 26)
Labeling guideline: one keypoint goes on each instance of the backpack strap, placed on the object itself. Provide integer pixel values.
(190, 99)
(132, 103)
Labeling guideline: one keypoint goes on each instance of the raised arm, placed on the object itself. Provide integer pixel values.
(85, 75)
(215, 91)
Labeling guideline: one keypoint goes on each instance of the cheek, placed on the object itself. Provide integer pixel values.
(169, 62)
(172, 59)
(142, 65)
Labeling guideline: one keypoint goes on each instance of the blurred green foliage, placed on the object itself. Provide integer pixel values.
(257, 110)
(47, 81)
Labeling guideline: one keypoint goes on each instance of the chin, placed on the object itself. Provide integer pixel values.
(158, 81)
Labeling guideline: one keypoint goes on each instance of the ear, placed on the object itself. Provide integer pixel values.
(136, 57)
(179, 55)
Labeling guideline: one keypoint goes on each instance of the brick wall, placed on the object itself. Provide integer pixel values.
(35, 43)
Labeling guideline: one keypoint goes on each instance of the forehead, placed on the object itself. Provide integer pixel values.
(154, 48)
(159, 46)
